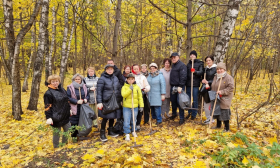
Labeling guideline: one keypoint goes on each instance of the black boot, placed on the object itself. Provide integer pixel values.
(192, 118)
(103, 136)
(181, 122)
(188, 116)
(111, 132)
(173, 117)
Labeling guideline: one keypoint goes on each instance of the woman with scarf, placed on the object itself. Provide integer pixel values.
(78, 94)
(144, 70)
(91, 82)
(210, 72)
(226, 94)
(126, 71)
(142, 82)
(157, 92)
(56, 102)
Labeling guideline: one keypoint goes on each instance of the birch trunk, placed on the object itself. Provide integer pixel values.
(189, 30)
(116, 30)
(38, 64)
(5, 63)
(226, 30)
(64, 44)
(169, 36)
(53, 39)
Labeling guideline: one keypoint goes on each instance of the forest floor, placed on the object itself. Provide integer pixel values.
(26, 143)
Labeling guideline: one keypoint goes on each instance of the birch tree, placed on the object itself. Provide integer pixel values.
(38, 64)
(53, 39)
(116, 30)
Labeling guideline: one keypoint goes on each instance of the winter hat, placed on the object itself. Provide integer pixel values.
(174, 54)
(221, 65)
(130, 75)
(107, 66)
(81, 76)
(153, 65)
(144, 65)
(193, 52)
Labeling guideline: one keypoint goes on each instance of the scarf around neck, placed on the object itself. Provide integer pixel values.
(221, 75)
(76, 85)
(145, 73)
(155, 73)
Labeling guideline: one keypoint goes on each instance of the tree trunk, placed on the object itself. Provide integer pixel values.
(75, 57)
(116, 30)
(5, 63)
(169, 35)
(22, 49)
(226, 30)
(189, 30)
(38, 64)
(64, 44)
(53, 39)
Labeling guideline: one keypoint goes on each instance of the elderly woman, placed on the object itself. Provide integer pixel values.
(108, 84)
(77, 94)
(210, 72)
(226, 94)
(157, 91)
(56, 102)
(166, 74)
(142, 82)
(91, 82)
(144, 70)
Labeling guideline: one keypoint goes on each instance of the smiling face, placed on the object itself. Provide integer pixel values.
(144, 69)
(78, 80)
(209, 62)
(220, 70)
(127, 70)
(55, 83)
(174, 59)
(90, 72)
(110, 70)
(167, 65)
(153, 69)
(192, 56)
(136, 69)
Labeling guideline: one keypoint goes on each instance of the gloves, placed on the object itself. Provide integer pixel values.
(174, 89)
(92, 88)
(85, 100)
(179, 89)
(141, 109)
(100, 106)
(49, 121)
(131, 87)
(162, 97)
(207, 86)
(80, 102)
(192, 70)
(220, 95)
(71, 113)
(145, 90)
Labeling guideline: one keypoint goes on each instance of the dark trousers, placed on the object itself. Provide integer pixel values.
(195, 99)
(219, 124)
(104, 122)
(75, 133)
(146, 111)
(174, 98)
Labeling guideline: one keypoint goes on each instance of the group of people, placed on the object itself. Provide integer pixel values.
(139, 92)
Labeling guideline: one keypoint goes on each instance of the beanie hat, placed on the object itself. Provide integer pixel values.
(153, 65)
(130, 75)
(221, 65)
(193, 52)
(144, 65)
(107, 66)
(174, 54)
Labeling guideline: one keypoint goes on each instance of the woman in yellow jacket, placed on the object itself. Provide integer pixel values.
(129, 87)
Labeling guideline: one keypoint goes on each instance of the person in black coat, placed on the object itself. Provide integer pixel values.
(178, 77)
(57, 108)
(197, 71)
(108, 84)
(77, 94)
(117, 73)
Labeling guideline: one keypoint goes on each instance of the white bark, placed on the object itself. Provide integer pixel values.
(116, 30)
(169, 32)
(53, 39)
(226, 30)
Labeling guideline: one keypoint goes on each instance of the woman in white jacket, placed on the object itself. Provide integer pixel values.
(142, 82)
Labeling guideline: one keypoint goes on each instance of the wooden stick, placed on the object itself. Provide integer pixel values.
(215, 102)
(80, 93)
(192, 85)
(96, 110)
(132, 109)
(202, 104)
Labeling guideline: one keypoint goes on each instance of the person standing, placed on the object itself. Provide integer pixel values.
(210, 71)
(108, 84)
(178, 77)
(166, 74)
(226, 94)
(157, 91)
(130, 87)
(57, 108)
(77, 94)
(117, 72)
(144, 70)
(91, 82)
(197, 71)
(127, 70)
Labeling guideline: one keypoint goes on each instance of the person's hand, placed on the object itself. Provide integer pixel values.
(207, 86)
(85, 100)
(49, 121)
(80, 102)
(192, 70)
(100, 106)
(141, 109)
(131, 87)
(92, 88)
(179, 89)
(204, 81)
(219, 92)
(162, 97)
(71, 113)
(145, 90)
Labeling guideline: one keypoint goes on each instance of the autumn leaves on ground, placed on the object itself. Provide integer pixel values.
(26, 143)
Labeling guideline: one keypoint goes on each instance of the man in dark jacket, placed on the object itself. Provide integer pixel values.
(117, 72)
(197, 71)
(178, 76)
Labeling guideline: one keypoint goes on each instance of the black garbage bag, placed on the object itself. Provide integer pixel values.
(87, 115)
(212, 96)
(184, 100)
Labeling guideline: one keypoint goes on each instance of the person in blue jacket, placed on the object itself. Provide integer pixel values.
(157, 91)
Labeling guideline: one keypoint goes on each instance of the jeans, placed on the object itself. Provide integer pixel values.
(128, 120)
(56, 135)
(195, 99)
(156, 113)
(174, 98)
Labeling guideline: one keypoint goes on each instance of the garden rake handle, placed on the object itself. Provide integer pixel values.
(192, 85)
(132, 109)
(211, 119)
(80, 93)
(202, 103)
(96, 109)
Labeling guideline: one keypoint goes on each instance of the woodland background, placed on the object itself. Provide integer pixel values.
(43, 37)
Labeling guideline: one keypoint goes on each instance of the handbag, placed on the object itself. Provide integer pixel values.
(112, 104)
(203, 89)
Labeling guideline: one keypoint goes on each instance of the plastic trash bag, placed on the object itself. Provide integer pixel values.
(87, 115)
(212, 96)
(184, 100)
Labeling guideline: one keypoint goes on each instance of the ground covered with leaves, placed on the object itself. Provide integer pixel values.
(28, 143)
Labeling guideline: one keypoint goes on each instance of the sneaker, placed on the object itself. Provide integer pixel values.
(168, 115)
(103, 136)
(111, 132)
(127, 138)
(181, 122)
(193, 118)
(96, 126)
(206, 122)
(134, 134)
(226, 130)
(158, 123)
(188, 116)
(138, 128)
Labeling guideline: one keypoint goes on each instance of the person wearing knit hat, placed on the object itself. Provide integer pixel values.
(197, 71)
(226, 94)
